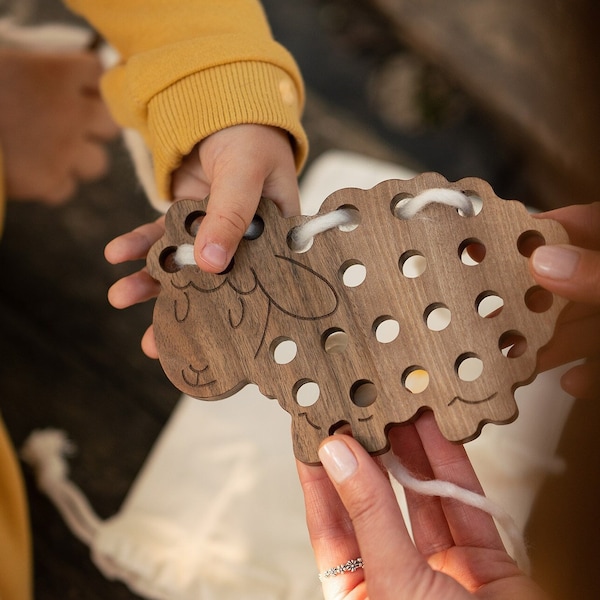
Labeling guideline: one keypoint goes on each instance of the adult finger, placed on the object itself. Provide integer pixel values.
(393, 566)
(330, 530)
(583, 381)
(569, 271)
(581, 221)
(573, 340)
(449, 462)
(430, 529)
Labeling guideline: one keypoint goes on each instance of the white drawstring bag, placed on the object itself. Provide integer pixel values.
(215, 513)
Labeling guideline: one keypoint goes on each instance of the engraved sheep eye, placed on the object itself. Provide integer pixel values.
(255, 229)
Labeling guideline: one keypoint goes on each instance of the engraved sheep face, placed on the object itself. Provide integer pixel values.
(370, 325)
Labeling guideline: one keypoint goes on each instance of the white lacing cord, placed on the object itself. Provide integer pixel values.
(301, 237)
(446, 489)
(409, 207)
(45, 451)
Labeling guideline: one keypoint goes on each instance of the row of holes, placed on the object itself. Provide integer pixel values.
(469, 367)
(413, 263)
(257, 226)
(415, 380)
(386, 329)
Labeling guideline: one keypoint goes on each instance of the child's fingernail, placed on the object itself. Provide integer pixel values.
(555, 262)
(338, 460)
(215, 256)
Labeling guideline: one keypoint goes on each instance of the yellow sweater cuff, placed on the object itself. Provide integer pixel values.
(206, 102)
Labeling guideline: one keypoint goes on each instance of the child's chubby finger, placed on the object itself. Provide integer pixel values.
(384, 541)
(133, 289)
(135, 244)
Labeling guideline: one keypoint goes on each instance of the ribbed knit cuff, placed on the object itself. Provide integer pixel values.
(206, 102)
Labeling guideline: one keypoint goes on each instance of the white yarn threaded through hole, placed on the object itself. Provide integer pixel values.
(184, 255)
(409, 207)
(301, 237)
(446, 489)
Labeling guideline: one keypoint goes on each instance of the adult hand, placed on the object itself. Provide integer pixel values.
(236, 166)
(573, 271)
(352, 511)
(53, 123)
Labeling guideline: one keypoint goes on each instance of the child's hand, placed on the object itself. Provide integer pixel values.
(573, 271)
(137, 287)
(53, 123)
(236, 166)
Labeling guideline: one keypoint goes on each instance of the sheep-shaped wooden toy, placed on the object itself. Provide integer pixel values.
(410, 296)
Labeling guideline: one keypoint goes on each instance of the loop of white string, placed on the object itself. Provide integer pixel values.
(301, 237)
(409, 207)
(347, 218)
(45, 451)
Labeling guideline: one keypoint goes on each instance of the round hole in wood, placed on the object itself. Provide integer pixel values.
(334, 340)
(363, 393)
(353, 273)
(468, 366)
(512, 344)
(538, 299)
(437, 316)
(489, 304)
(476, 201)
(351, 226)
(293, 243)
(306, 392)
(193, 220)
(386, 329)
(167, 260)
(415, 379)
(471, 252)
(412, 264)
(255, 229)
(398, 201)
(283, 350)
(528, 241)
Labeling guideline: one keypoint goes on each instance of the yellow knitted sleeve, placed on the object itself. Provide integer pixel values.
(192, 68)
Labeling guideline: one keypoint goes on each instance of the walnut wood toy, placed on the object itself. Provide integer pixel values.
(371, 324)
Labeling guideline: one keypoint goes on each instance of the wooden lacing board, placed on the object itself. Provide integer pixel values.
(368, 327)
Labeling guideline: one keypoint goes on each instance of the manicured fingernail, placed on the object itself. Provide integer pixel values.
(215, 255)
(338, 460)
(555, 262)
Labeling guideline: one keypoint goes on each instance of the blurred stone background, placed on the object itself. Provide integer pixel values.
(505, 90)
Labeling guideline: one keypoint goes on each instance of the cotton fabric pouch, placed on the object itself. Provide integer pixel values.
(217, 511)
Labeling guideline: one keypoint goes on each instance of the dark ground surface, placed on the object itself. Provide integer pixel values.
(71, 361)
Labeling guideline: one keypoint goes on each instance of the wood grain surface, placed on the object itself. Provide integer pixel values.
(442, 349)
